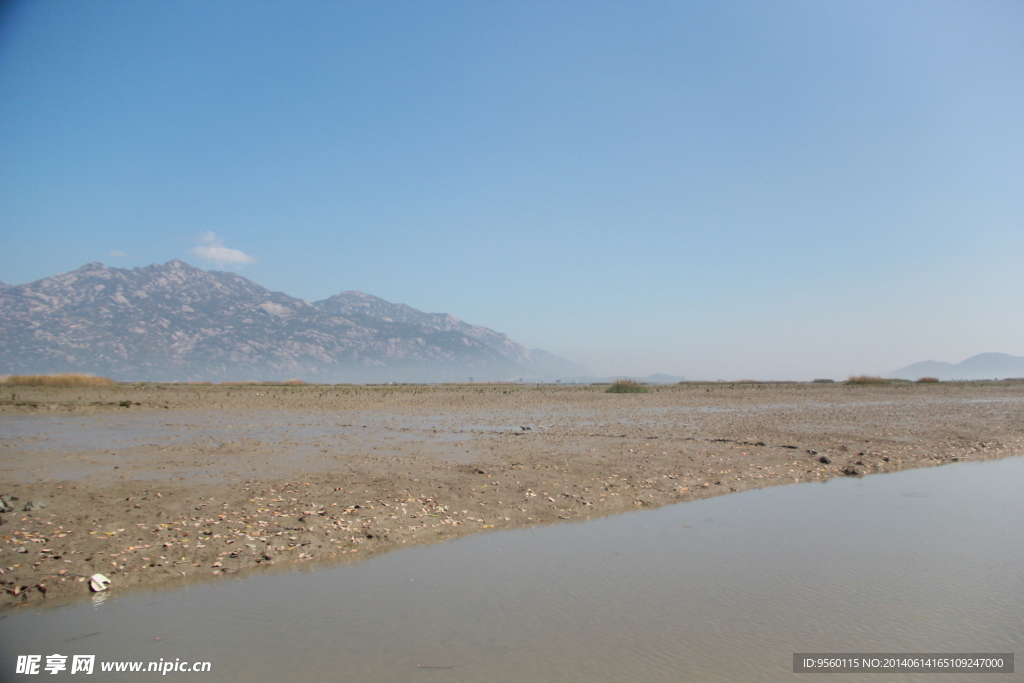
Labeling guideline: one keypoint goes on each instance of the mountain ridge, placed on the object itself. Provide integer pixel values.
(981, 366)
(176, 322)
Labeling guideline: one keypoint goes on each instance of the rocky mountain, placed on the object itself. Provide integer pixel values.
(982, 366)
(175, 322)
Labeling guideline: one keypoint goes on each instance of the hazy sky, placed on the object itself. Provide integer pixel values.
(781, 190)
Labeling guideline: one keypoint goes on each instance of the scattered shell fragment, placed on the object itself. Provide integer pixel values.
(98, 582)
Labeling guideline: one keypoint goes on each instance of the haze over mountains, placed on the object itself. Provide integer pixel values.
(981, 366)
(175, 322)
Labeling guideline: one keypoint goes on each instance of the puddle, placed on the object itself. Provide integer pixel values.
(146, 445)
(77, 433)
(928, 560)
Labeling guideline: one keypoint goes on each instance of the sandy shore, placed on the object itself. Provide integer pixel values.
(164, 483)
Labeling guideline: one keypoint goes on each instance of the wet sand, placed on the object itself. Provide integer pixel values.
(159, 484)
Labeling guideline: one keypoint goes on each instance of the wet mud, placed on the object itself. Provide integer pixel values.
(158, 484)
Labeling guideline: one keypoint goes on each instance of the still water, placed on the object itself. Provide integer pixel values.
(930, 560)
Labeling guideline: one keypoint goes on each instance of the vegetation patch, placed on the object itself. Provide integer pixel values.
(626, 386)
(928, 380)
(867, 379)
(68, 380)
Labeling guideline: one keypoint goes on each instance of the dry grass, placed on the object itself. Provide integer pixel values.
(866, 379)
(824, 381)
(260, 383)
(626, 386)
(928, 380)
(68, 380)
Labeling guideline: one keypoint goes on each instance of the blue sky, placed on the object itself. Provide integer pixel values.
(781, 190)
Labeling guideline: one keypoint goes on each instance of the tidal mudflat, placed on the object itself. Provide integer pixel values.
(165, 484)
(723, 589)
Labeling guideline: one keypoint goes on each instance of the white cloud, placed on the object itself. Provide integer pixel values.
(117, 253)
(213, 249)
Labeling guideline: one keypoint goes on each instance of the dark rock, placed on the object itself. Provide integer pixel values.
(850, 471)
(825, 460)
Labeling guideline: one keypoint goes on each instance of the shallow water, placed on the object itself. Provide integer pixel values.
(928, 560)
(295, 440)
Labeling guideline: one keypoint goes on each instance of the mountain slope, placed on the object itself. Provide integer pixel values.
(177, 322)
(981, 366)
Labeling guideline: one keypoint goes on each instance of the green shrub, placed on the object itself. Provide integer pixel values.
(626, 386)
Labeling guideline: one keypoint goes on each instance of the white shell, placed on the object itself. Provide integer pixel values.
(98, 582)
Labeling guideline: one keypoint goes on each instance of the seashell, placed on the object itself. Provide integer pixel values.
(98, 582)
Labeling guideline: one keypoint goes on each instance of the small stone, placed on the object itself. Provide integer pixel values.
(34, 505)
(824, 460)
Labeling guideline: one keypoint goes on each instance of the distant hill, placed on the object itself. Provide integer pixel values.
(982, 366)
(175, 322)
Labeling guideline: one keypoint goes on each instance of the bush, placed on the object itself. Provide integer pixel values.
(866, 379)
(824, 381)
(69, 380)
(626, 386)
(928, 380)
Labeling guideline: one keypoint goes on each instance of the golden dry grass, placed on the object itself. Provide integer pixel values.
(866, 379)
(66, 380)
